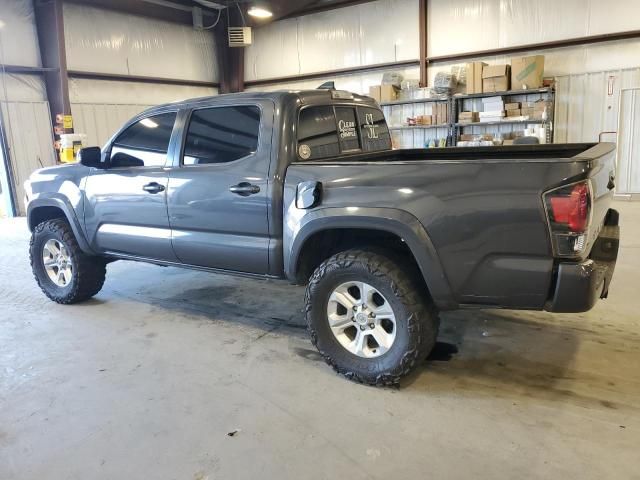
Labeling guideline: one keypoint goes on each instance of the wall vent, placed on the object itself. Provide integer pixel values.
(239, 36)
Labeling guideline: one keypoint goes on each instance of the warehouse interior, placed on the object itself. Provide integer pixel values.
(178, 373)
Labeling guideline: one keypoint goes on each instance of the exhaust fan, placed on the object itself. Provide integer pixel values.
(239, 36)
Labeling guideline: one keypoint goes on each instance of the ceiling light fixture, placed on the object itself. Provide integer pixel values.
(259, 12)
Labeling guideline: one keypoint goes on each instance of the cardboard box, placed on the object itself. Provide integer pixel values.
(492, 113)
(474, 77)
(507, 142)
(496, 78)
(492, 107)
(388, 93)
(468, 117)
(374, 92)
(526, 111)
(514, 112)
(491, 99)
(424, 120)
(441, 114)
(527, 72)
(512, 106)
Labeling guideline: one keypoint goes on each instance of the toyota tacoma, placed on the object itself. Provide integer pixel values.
(305, 186)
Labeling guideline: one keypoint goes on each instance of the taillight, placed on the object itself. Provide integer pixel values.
(569, 210)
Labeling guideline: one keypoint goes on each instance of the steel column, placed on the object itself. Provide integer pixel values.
(50, 28)
(422, 30)
(230, 60)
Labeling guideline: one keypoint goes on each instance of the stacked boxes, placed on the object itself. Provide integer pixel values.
(384, 93)
(474, 77)
(513, 109)
(440, 113)
(524, 73)
(468, 117)
(496, 78)
(527, 72)
(492, 109)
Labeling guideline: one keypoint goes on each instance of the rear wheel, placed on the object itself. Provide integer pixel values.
(63, 271)
(369, 318)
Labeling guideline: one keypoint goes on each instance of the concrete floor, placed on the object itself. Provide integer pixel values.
(147, 379)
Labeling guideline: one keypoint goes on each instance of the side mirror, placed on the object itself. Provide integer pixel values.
(90, 157)
(125, 160)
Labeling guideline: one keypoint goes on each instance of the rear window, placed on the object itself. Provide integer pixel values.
(327, 131)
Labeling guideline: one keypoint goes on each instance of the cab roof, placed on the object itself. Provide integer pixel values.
(303, 97)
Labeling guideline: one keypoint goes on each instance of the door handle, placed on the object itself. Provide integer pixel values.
(153, 187)
(244, 189)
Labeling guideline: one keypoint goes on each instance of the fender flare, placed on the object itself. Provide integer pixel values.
(397, 222)
(69, 214)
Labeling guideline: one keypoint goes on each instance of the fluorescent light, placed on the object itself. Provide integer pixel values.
(2, 24)
(259, 12)
(147, 122)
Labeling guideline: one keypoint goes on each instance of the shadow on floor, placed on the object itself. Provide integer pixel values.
(524, 353)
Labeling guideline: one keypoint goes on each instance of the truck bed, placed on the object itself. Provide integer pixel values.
(481, 208)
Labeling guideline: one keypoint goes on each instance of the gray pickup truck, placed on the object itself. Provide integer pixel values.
(305, 186)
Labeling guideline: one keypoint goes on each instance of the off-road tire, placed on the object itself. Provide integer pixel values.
(88, 271)
(416, 317)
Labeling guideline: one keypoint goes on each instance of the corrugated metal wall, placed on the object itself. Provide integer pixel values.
(105, 41)
(375, 32)
(588, 103)
(99, 121)
(100, 107)
(28, 129)
(628, 174)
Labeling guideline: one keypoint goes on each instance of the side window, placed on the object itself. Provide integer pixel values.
(317, 134)
(347, 129)
(221, 134)
(373, 129)
(145, 143)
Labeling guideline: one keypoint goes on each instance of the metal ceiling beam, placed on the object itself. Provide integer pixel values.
(332, 73)
(570, 42)
(170, 11)
(318, 6)
(140, 78)
(23, 70)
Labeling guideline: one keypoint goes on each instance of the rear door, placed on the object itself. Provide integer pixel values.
(217, 199)
(126, 204)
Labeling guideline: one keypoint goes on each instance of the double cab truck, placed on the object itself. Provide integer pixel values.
(305, 186)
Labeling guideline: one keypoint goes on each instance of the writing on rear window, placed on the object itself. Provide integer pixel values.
(326, 131)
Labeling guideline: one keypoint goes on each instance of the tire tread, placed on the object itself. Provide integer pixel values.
(423, 320)
(90, 271)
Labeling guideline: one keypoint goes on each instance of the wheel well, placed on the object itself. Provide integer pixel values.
(42, 214)
(322, 245)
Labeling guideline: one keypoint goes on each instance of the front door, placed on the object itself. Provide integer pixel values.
(126, 204)
(217, 197)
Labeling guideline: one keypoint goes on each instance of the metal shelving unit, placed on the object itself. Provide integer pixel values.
(443, 98)
(531, 95)
(457, 102)
(500, 122)
(427, 132)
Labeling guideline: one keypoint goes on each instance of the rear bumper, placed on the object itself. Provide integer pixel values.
(579, 285)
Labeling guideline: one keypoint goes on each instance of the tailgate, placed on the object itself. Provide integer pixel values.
(602, 175)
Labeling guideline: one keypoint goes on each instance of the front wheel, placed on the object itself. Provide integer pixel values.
(368, 317)
(63, 271)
